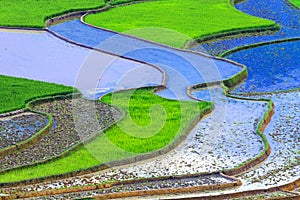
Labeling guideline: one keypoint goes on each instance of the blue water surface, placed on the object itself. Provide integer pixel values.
(182, 68)
(270, 68)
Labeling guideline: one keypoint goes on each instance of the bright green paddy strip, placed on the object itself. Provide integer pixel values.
(158, 122)
(32, 13)
(296, 2)
(187, 19)
(15, 92)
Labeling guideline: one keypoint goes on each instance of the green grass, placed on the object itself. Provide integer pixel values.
(15, 92)
(295, 2)
(155, 123)
(175, 21)
(32, 13)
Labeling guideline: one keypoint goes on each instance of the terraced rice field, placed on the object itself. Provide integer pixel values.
(190, 20)
(171, 123)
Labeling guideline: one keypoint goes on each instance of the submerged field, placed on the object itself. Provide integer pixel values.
(33, 13)
(191, 19)
(263, 58)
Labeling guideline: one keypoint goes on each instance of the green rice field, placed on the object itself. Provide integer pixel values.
(187, 19)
